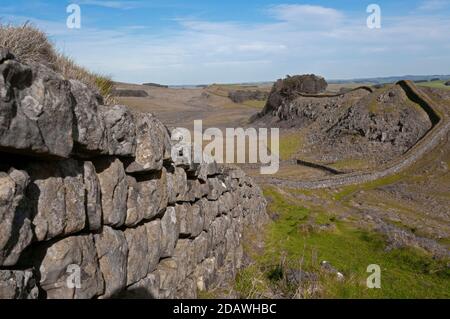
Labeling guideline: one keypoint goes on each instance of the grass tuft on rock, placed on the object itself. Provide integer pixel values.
(31, 45)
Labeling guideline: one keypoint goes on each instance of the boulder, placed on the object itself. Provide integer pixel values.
(114, 190)
(447, 83)
(137, 265)
(112, 252)
(154, 238)
(90, 130)
(287, 89)
(65, 260)
(120, 130)
(170, 230)
(153, 144)
(57, 197)
(147, 197)
(18, 284)
(93, 197)
(15, 220)
(36, 110)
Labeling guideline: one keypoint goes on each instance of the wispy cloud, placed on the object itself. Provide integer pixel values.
(124, 5)
(204, 51)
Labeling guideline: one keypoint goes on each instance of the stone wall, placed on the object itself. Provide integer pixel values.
(93, 190)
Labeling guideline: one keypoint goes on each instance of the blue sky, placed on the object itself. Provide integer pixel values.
(199, 41)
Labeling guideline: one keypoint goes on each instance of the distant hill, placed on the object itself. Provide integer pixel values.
(393, 79)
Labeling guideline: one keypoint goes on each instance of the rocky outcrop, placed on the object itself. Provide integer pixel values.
(92, 205)
(447, 83)
(285, 90)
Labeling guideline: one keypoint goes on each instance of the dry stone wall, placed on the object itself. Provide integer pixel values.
(92, 190)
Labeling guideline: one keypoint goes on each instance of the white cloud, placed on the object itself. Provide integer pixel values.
(112, 4)
(200, 51)
(307, 15)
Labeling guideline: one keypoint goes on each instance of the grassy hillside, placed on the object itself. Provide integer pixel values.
(30, 44)
(300, 238)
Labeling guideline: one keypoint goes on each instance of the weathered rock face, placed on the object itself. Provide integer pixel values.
(285, 90)
(18, 284)
(98, 208)
(36, 110)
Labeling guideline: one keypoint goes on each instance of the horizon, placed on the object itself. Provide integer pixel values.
(175, 43)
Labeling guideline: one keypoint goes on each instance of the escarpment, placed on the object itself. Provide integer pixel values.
(92, 204)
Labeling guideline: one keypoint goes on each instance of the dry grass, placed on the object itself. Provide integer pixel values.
(31, 45)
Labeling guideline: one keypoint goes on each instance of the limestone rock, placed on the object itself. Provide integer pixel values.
(154, 238)
(93, 197)
(170, 230)
(65, 259)
(114, 189)
(137, 265)
(112, 252)
(285, 90)
(18, 284)
(57, 196)
(168, 277)
(152, 140)
(15, 220)
(36, 110)
(120, 130)
(90, 131)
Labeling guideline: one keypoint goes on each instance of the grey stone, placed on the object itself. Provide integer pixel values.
(187, 289)
(168, 276)
(197, 220)
(184, 217)
(201, 247)
(93, 197)
(59, 268)
(170, 230)
(205, 274)
(112, 252)
(57, 195)
(90, 130)
(154, 243)
(18, 284)
(120, 129)
(113, 185)
(36, 110)
(15, 220)
(217, 187)
(184, 254)
(137, 265)
(152, 139)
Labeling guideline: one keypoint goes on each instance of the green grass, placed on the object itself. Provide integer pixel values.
(434, 84)
(290, 144)
(348, 190)
(257, 104)
(405, 273)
